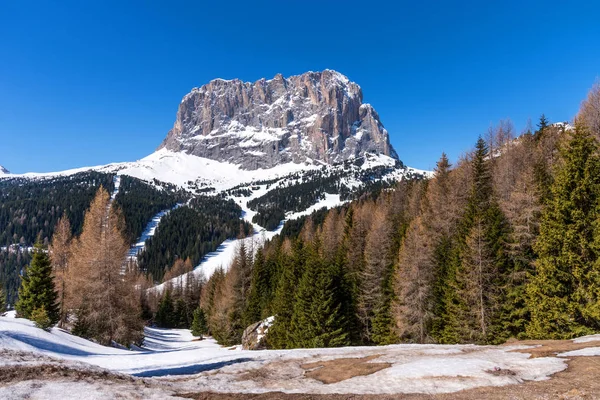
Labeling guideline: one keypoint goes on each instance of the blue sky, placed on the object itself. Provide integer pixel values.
(91, 82)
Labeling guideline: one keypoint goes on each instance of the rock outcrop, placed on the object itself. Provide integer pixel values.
(3, 170)
(254, 336)
(316, 116)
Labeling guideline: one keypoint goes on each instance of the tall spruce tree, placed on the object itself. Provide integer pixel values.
(480, 262)
(2, 301)
(199, 324)
(285, 296)
(564, 290)
(37, 291)
(318, 320)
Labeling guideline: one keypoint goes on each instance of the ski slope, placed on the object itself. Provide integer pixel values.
(149, 232)
(173, 359)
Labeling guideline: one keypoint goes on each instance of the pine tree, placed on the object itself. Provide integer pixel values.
(2, 301)
(542, 125)
(563, 292)
(317, 320)
(479, 264)
(37, 289)
(165, 314)
(285, 297)
(199, 326)
(259, 290)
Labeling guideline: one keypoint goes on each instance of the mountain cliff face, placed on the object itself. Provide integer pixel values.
(313, 116)
(3, 170)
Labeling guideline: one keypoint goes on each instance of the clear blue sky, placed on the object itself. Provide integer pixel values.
(91, 82)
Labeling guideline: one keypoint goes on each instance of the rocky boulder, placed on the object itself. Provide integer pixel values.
(254, 336)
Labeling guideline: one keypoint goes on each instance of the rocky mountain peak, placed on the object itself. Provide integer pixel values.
(316, 116)
(3, 170)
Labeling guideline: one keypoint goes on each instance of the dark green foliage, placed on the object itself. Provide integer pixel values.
(191, 232)
(31, 208)
(37, 288)
(564, 290)
(165, 315)
(199, 325)
(317, 319)
(2, 301)
(260, 290)
(12, 263)
(312, 187)
(141, 201)
(476, 278)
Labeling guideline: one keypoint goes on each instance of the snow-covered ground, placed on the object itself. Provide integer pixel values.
(173, 359)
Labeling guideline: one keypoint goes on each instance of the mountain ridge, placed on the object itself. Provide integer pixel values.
(314, 116)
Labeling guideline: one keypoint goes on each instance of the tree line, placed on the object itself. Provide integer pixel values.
(505, 244)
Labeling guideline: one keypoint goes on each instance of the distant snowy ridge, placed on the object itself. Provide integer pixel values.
(4, 171)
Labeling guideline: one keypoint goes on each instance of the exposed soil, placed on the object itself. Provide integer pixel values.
(581, 380)
(342, 368)
(16, 373)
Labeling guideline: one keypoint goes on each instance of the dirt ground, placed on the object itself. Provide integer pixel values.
(581, 380)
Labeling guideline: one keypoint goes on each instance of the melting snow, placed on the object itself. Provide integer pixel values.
(414, 369)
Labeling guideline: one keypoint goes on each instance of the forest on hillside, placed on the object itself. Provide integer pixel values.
(504, 244)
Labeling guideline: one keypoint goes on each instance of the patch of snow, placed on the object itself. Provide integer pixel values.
(171, 353)
(587, 352)
(585, 339)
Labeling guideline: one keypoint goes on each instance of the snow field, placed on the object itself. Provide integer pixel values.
(173, 354)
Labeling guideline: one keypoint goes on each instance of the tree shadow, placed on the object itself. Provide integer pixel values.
(46, 344)
(190, 369)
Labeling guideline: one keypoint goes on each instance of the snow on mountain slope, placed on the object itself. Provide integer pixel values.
(4, 171)
(177, 362)
(149, 232)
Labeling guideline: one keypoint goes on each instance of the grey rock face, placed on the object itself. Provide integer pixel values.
(3, 170)
(313, 116)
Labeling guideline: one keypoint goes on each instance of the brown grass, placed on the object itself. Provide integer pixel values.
(342, 368)
(580, 381)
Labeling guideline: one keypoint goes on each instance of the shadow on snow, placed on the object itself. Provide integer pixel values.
(190, 369)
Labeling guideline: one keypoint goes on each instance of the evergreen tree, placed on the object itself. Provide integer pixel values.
(2, 301)
(542, 125)
(285, 297)
(258, 297)
(165, 315)
(199, 325)
(317, 320)
(41, 319)
(37, 289)
(480, 263)
(563, 293)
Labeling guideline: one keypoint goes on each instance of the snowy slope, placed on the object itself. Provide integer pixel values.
(413, 368)
(149, 231)
(4, 171)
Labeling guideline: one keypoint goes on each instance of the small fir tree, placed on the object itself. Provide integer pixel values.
(37, 288)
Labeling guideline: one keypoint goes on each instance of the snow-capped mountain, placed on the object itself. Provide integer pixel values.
(4, 171)
(316, 116)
